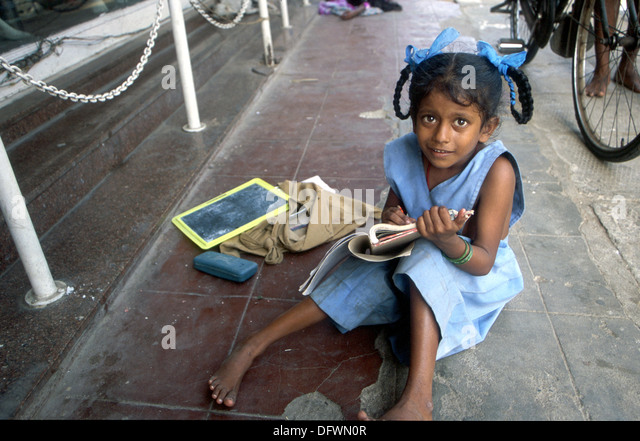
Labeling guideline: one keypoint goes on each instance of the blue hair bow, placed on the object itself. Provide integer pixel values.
(502, 63)
(414, 57)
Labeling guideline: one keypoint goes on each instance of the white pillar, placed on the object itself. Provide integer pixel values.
(269, 57)
(44, 289)
(184, 65)
(284, 8)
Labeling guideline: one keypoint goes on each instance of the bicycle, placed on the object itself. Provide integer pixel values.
(574, 29)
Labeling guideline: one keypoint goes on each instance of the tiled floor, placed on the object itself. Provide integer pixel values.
(550, 353)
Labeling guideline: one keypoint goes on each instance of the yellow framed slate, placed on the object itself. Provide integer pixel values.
(232, 213)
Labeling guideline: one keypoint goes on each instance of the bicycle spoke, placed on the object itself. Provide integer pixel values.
(614, 128)
(590, 103)
(628, 100)
(616, 93)
(631, 125)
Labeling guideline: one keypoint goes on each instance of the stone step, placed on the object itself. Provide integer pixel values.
(60, 150)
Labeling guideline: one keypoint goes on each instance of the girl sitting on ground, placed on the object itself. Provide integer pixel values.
(445, 296)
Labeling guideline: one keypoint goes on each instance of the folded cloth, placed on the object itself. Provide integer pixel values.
(328, 216)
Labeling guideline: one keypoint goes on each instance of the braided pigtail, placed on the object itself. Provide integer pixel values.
(524, 95)
(414, 57)
(508, 66)
(404, 76)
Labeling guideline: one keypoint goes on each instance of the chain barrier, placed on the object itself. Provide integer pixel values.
(198, 6)
(75, 97)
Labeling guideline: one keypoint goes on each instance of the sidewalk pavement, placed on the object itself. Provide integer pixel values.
(565, 349)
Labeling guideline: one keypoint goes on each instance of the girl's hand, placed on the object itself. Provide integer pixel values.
(395, 215)
(437, 226)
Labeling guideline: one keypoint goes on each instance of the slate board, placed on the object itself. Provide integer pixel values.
(231, 213)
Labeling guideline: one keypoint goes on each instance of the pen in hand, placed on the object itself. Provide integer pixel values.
(406, 219)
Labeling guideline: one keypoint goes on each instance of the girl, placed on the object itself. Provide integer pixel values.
(444, 297)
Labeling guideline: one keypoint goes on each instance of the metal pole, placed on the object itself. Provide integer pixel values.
(44, 289)
(269, 57)
(284, 7)
(184, 65)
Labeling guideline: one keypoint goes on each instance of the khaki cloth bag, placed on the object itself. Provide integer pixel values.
(331, 216)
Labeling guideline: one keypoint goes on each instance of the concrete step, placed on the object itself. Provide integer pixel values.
(61, 151)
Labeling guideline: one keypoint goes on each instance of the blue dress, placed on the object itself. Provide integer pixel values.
(465, 306)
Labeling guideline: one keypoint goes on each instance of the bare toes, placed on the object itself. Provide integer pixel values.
(229, 400)
(362, 416)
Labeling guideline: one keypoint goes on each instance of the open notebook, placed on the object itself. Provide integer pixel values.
(381, 243)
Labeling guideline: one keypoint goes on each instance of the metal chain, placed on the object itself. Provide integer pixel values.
(243, 8)
(75, 97)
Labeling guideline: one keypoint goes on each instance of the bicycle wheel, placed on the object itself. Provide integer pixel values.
(608, 124)
(532, 22)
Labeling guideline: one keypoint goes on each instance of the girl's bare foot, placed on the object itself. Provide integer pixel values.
(408, 411)
(225, 383)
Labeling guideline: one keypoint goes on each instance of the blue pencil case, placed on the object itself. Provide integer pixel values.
(225, 266)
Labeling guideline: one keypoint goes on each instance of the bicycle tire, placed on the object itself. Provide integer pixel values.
(606, 123)
(536, 18)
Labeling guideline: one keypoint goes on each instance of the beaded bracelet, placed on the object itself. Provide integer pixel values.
(466, 256)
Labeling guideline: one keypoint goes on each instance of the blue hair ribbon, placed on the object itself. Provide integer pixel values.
(502, 63)
(414, 57)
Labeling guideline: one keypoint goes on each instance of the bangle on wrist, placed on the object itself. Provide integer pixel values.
(466, 255)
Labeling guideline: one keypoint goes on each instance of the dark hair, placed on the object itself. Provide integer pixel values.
(448, 73)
